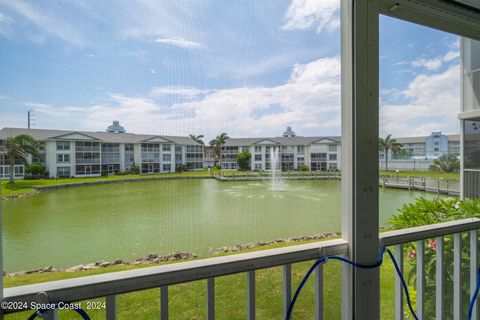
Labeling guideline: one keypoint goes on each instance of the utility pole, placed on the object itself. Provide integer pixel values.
(30, 119)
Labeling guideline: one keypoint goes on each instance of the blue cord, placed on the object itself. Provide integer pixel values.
(376, 265)
(474, 297)
(80, 311)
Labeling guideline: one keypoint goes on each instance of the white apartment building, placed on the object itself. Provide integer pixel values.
(87, 154)
(426, 147)
(318, 153)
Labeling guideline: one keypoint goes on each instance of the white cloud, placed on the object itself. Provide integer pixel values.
(184, 92)
(436, 63)
(434, 106)
(179, 42)
(57, 27)
(318, 14)
(309, 101)
(5, 19)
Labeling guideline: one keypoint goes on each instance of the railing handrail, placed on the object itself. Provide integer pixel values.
(430, 231)
(114, 283)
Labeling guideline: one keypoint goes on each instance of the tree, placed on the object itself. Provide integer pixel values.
(19, 148)
(197, 139)
(446, 163)
(243, 160)
(218, 142)
(389, 144)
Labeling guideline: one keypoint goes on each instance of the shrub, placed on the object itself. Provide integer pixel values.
(218, 166)
(36, 169)
(303, 167)
(424, 212)
(181, 168)
(134, 169)
(104, 173)
(243, 160)
(446, 163)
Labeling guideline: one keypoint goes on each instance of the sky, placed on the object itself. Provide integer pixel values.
(247, 68)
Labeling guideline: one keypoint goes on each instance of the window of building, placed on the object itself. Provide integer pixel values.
(332, 157)
(63, 158)
(435, 149)
(258, 149)
(300, 149)
(167, 167)
(472, 145)
(129, 147)
(166, 147)
(63, 145)
(63, 172)
(258, 166)
(332, 147)
(258, 157)
(167, 157)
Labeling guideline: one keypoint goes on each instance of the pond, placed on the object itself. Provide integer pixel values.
(128, 220)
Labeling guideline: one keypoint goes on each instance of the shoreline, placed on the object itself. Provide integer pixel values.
(145, 178)
(37, 190)
(153, 258)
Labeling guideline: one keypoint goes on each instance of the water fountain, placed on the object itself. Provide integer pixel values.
(278, 183)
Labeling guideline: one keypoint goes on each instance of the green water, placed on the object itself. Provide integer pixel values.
(85, 224)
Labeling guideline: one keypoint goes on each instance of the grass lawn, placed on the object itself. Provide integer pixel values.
(24, 186)
(187, 301)
(423, 174)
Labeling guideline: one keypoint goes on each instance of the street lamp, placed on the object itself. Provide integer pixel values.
(397, 171)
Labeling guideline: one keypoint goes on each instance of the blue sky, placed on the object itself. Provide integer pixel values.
(249, 68)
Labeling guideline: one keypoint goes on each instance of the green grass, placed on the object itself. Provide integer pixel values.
(25, 186)
(423, 174)
(187, 300)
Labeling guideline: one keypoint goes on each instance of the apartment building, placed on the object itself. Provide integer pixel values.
(426, 147)
(318, 153)
(85, 154)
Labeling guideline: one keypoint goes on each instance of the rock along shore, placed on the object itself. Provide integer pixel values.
(152, 258)
(246, 246)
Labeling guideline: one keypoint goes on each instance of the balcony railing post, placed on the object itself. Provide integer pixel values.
(420, 279)
(473, 269)
(210, 298)
(439, 281)
(398, 284)
(287, 287)
(111, 304)
(251, 295)
(319, 292)
(164, 303)
(51, 315)
(457, 276)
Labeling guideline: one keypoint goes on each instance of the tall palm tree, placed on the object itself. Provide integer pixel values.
(19, 147)
(197, 139)
(389, 144)
(218, 142)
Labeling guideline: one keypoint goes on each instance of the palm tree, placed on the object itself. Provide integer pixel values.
(19, 148)
(197, 139)
(446, 163)
(218, 142)
(389, 144)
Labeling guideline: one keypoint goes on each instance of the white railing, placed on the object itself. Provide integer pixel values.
(111, 284)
